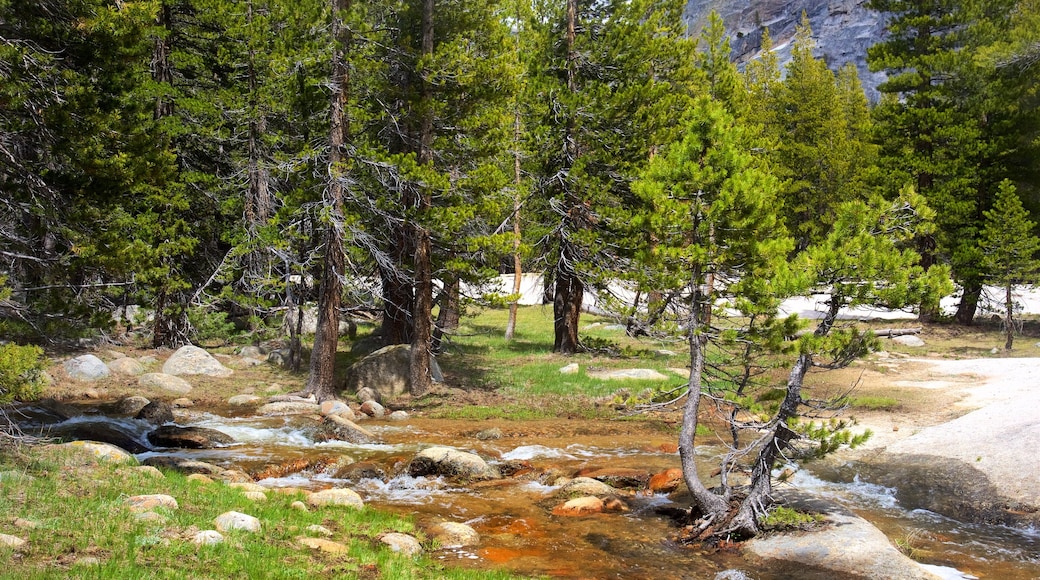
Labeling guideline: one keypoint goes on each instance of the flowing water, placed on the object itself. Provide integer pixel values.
(513, 515)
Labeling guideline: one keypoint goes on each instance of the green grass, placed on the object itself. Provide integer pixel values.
(874, 403)
(784, 518)
(80, 512)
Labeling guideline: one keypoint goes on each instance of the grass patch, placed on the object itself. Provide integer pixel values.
(784, 518)
(81, 527)
(874, 403)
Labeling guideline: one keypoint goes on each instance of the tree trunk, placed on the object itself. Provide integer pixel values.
(969, 302)
(422, 342)
(398, 304)
(517, 202)
(567, 311)
(710, 505)
(320, 381)
(450, 314)
(1009, 317)
(926, 248)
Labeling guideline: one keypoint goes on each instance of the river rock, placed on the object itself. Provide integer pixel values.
(192, 360)
(184, 465)
(323, 545)
(127, 406)
(156, 413)
(580, 486)
(398, 416)
(666, 481)
(340, 408)
(147, 503)
(126, 366)
(243, 400)
(182, 403)
(402, 543)
(230, 521)
(451, 462)
(165, 382)
(282, 408)
(386, 372)
(619, 477)
(86, 368)
(373, 409)
(580, 506)
(339, 428)
(850, 547)
(188, 437)
(99, 452)
(454, 534)
(102, 431)
(338, 496)
(358, 471)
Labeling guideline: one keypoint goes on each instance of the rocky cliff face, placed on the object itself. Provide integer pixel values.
(843, 29)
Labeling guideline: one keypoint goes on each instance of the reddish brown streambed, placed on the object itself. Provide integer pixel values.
(514, 515)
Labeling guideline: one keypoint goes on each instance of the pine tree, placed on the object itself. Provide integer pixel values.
(1011, 251)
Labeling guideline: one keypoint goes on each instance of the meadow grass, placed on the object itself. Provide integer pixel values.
(83, 528)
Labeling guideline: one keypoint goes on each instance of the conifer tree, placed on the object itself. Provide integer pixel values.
(1011, 251)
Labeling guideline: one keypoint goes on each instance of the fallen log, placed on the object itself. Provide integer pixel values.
(893, 332)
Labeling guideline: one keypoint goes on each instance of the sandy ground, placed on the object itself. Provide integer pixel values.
(984, 412)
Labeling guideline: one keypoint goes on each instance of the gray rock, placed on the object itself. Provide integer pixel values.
(451, 462)
(130, 406)
(192, 360)
(188, 437)
(207, 538)
(126, 366)
(156, 413)
(454, 534)
(373, 409)
(102, 430)
(569, 369)
(242, 400)
(849, 547)
(251, 351)
(908, 340)
(582, 486)
(367, 394)
(289, 408)
(386, 372)
(402, 543)
(337, 496)
(337, 408)
(10, 541)
(99, 452)
(339, 428)
(184, 465)
(86, 368)
(398, 416)
(230, 521)
(165, 382)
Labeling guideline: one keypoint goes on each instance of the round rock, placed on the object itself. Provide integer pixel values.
(192, 360)
(86, 368)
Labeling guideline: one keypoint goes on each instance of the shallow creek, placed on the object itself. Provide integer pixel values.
(513, 516)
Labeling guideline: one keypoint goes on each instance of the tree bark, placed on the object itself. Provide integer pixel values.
(320, 381)
(969, 302)
(450, 314)
(709, 504)
(398, 304)
(1009, 317)
(567, 311)
(422, 342)
(517, 202)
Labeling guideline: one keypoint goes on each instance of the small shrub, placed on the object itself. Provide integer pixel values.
(21, 372)
(210, 325)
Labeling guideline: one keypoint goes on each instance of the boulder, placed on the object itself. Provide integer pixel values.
(156, 413)
(454, 535)
(398, 416)
(103, 431)
(243, 400)
(386, 372)
(251, 351)
(402, 543)
(192, 360)
(619, 477)
(340, 408)
(188, 437)
(666, 481)
(147, 503)
(184, 465)
(569, 369)
(338, 496)
(373, 409)
(871, 556)
(580, 486)
(99, 452)
(207, 538)
(452, 463)
(289, 408)
(580, 506)
(86, 368)
(339, 428)
(165, 382)
(129, 406)
(126, 366)
(627, 374)
(230, 521)
(908, 340)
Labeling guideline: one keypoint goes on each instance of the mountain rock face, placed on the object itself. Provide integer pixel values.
(843, 30)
